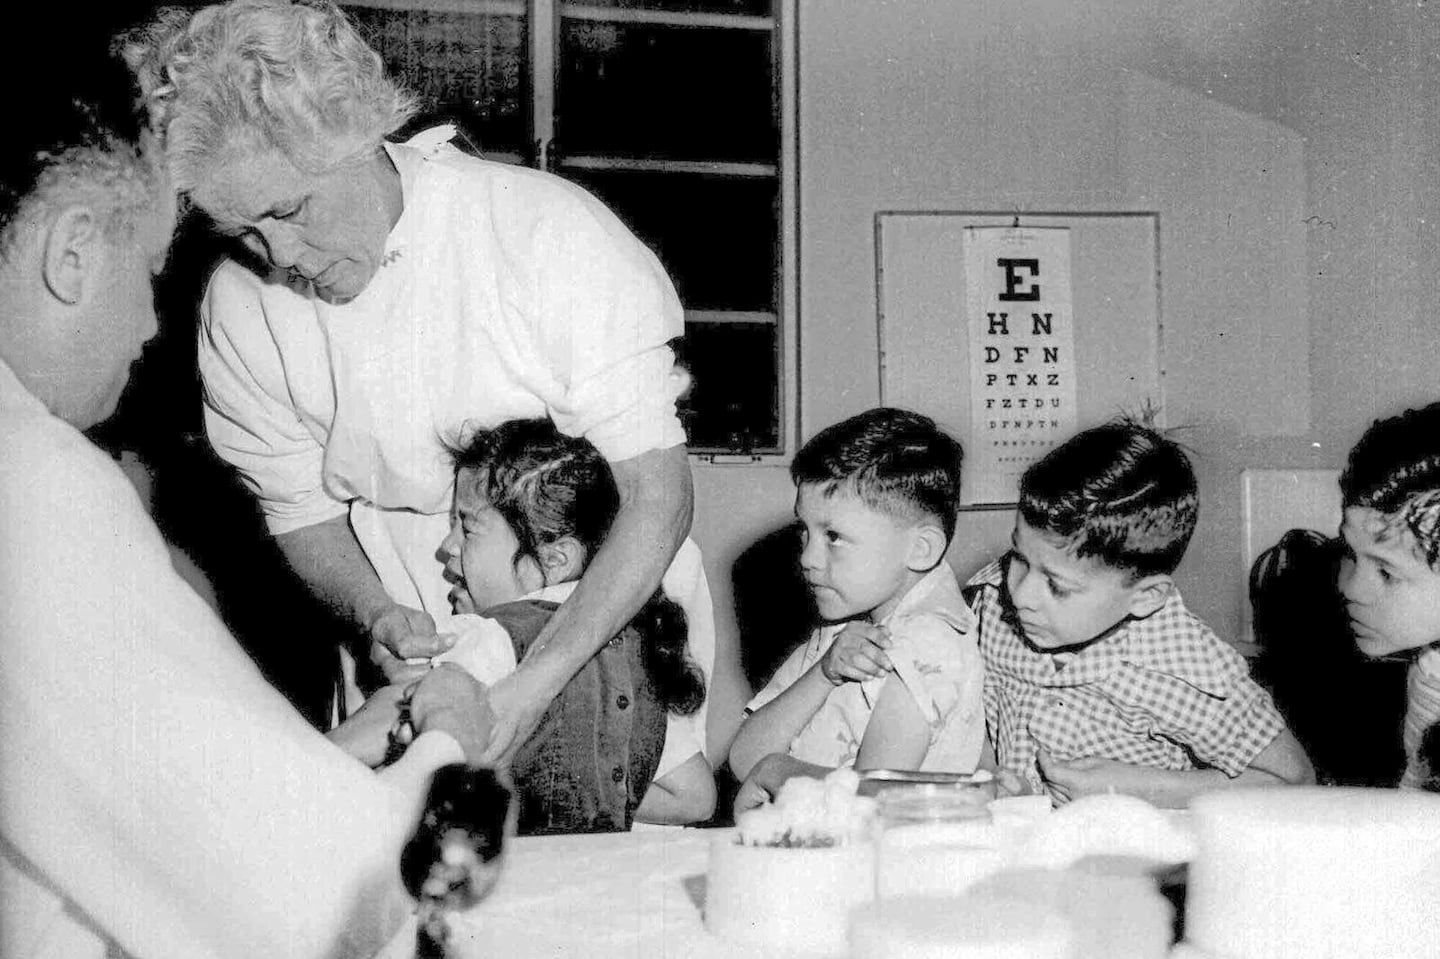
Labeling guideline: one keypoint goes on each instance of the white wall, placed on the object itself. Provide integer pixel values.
(1282, 336)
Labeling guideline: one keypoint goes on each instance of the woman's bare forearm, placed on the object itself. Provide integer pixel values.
(329, 561)
(653, 521)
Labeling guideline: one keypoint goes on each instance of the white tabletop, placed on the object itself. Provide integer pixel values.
(605, 896)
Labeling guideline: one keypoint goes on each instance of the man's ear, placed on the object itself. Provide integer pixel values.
(562, 560)
(1149, 593)
(74, 253)
(927, 548)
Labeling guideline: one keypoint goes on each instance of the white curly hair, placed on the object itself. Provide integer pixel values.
(250, 76)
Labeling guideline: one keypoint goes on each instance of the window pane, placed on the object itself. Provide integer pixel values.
(734, 402)
(469, 67)
(754, 8)
(641, 90)
(717, 236)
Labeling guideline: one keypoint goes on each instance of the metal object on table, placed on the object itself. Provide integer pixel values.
(872, 781)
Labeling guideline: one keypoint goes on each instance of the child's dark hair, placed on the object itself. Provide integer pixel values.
(546, 486)
(1395, 470)
(894, 460)
(1121, 492)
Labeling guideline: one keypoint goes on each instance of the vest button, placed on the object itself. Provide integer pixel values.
(622, 701)
(618, 774)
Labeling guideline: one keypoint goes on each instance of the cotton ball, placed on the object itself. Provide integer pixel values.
(1110, 825)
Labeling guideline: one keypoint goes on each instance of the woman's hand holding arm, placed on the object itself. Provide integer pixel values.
(656, 499)
(328, 559)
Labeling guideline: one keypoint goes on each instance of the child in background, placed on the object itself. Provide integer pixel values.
(1390, 568)
(532, 506)
(893, 677)
(1097, 678)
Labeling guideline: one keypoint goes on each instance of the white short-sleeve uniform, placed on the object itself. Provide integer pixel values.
(504, 293)
(159, 799)
(935, 655)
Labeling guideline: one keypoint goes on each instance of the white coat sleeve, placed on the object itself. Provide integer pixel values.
(606, 311)
(248, 335)
(147, 769)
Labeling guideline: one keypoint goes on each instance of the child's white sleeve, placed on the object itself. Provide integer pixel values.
(786, 676)
(482, 648)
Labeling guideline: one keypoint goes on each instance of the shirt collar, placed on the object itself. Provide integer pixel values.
(938, 594)
(15, 397)
(555, 593)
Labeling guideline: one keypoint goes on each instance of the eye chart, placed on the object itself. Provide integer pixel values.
(1014, 336)
(1020, 322)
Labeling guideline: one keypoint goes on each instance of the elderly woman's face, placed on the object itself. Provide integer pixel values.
(328, 228)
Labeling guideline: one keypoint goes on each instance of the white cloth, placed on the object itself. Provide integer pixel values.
(505, 293)
(158, 798)
(935, 655)
(483, 649)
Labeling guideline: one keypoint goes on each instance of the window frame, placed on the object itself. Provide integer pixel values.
(543, 23)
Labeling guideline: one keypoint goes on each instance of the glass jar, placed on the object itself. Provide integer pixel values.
(935, 839)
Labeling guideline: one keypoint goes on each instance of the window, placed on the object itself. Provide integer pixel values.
(679, 115)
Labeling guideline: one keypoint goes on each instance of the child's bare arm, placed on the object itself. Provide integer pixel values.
(771, 727)
(1283, 762)
(684, 795)
(856, 654)
(897, 736)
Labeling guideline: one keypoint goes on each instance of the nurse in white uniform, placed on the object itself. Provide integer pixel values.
(414, 293)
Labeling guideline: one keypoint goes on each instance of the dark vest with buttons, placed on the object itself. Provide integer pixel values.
(595, 752)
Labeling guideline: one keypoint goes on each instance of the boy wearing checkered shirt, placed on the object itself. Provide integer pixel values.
(1097, 678)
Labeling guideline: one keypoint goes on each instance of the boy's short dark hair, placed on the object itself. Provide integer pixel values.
(894, 460)
(1122, 493)
(1395, 470)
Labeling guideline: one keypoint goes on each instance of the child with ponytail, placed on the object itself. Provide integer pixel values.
(531, 508)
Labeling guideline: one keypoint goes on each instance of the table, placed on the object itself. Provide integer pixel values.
(607, 896)
(610, 896)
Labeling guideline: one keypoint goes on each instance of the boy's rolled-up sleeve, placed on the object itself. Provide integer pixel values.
(1235, 726)
(941, 668)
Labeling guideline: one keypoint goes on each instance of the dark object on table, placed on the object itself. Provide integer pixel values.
(454, 857)
(1345, 708)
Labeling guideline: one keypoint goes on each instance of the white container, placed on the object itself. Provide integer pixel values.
(934, 927)
(935, 841)
(786, 899)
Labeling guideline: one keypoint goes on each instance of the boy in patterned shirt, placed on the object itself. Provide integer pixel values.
(1097, 678)
(893, 677)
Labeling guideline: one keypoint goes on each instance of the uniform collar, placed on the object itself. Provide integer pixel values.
(557, 593)
(15, 397)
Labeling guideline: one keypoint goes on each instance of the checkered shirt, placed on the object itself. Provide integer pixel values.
(1163, 691)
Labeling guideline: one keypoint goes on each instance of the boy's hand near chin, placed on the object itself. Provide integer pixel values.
(857, 654)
